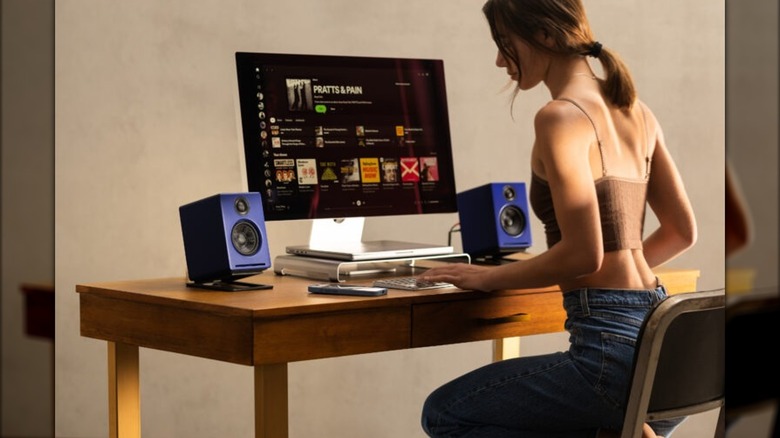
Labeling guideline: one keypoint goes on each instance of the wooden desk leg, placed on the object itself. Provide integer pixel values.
(506, 348)
(124, 401)
(271, 401)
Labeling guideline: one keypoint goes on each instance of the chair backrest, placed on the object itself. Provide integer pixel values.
(679, 364)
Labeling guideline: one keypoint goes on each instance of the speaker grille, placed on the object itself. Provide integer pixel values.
(246, 238)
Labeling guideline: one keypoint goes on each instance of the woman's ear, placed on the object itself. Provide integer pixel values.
(545, 38)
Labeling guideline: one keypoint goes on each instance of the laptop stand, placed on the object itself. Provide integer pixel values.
(337, 270)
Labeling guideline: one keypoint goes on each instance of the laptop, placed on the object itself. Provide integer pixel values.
(371, 250)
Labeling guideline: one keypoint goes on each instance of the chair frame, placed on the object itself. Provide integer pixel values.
(646, 361)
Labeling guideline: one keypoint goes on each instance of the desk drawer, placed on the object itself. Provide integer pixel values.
(331, 334)
(492, 317)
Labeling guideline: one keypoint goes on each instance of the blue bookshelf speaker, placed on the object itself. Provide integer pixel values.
(494, 219)
(225, 240)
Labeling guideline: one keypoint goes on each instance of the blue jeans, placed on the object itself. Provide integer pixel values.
(564, 394)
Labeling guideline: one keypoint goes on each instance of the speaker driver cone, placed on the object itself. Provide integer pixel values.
(512, 220)
(246, 238)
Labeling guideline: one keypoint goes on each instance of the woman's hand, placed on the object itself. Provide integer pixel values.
(462, 275)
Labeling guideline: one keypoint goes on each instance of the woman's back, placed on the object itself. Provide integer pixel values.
(620, 151)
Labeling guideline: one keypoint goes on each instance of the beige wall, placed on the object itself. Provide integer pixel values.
(145, 122)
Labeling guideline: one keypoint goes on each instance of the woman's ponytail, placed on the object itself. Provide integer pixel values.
(617, 86)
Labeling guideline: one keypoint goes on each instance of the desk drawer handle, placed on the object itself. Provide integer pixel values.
(517, 317)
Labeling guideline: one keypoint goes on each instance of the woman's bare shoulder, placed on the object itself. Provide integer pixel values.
(560, 122)
(558, 110)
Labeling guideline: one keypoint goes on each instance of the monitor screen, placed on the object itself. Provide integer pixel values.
(345, 136)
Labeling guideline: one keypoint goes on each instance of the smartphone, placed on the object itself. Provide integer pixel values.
(347, 289)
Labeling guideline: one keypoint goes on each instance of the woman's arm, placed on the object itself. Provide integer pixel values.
(563, 140)
(669, 201)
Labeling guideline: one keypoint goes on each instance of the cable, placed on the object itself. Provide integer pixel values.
(453, 229)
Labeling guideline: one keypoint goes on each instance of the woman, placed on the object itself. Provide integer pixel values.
(598, 159)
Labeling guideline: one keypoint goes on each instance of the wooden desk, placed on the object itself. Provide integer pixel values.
(268, 329)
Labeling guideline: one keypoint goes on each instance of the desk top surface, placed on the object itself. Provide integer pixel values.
(290, 295)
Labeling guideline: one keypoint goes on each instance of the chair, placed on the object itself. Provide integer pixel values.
(679, 364)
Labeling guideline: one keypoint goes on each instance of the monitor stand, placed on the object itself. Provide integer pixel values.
(345, 235)
(333, 232)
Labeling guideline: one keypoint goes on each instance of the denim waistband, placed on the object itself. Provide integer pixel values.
(587, 297)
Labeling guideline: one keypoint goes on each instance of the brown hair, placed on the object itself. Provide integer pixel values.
(565, 23)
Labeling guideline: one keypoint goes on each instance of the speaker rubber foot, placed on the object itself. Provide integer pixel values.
(229, 286)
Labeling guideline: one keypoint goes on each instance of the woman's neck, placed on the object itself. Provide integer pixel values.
(563, 72)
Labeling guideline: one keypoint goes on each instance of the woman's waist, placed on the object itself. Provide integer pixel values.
(624, 269)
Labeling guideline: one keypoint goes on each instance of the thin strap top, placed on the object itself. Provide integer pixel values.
(595, 130)
(601, 146)
(622, 201)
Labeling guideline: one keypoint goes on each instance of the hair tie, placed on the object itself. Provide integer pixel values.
(595, 50)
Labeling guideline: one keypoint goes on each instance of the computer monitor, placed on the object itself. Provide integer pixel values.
(345, 136)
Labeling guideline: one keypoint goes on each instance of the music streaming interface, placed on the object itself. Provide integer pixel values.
(337, 140)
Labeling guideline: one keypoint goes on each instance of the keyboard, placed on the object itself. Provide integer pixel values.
(409, 283)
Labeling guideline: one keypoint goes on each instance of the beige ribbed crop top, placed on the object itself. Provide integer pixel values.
(622, 203)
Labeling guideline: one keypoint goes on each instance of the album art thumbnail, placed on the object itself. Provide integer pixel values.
(349, 170)
(285, 175)
(307, 171)
(429, 169)
(369, 169)
(328, 173)
(410, 169)
(389, 169)
(299, 95)
(284, 170)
